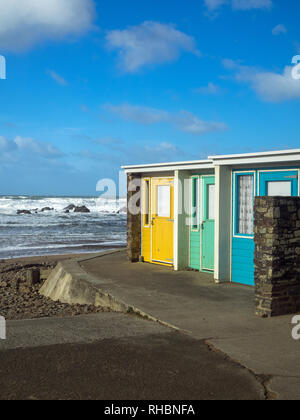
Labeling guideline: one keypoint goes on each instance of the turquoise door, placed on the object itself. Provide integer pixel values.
(208, 224)
(246, 185)
(202, 231)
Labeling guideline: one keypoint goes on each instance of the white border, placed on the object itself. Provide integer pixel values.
(235, 172)
(171, 180)
(202, 218)
(261, 171)
(198, 202)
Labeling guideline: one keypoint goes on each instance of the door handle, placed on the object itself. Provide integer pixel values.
(202, 225)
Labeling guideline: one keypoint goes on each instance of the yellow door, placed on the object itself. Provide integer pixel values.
(162, 220)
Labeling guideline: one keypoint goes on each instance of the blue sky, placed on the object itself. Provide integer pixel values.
(93, 85)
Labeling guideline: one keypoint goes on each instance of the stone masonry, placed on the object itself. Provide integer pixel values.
(133, 217)
(277, 255)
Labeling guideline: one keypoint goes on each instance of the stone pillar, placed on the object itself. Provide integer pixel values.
(134, 217)
(277, 255)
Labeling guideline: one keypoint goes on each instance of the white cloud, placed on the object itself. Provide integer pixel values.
(251, 4)
(279, 29)
(21, 148)
(109, 141)
(139, 114)
(58, 79)
(24, 23)
(213, 5)
(183, 120)
(210, 89)
(189, 123)
(269, 86)
(275, 87)
(131, 153)
(147, 44)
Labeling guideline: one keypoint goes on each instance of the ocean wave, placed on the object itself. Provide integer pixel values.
(57, 232)
(10, 205)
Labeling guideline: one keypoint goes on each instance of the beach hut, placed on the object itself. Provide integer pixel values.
(200, 214)
(242, 178)
(171, 220)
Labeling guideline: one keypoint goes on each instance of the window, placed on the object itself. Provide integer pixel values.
(147, 202)
(164, 201)
(279, 189)
(195, 203)
(245, 210)
(211, 202)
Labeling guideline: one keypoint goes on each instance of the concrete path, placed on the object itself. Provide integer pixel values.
(223, 315)
(112, 356)
(81, 329)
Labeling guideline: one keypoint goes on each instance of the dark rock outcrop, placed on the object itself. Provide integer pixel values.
(82, 209)
(70, 207)
(23, 212)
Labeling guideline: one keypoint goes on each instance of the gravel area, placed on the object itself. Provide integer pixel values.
(20, 299)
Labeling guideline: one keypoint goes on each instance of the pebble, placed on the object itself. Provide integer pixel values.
(19, 300)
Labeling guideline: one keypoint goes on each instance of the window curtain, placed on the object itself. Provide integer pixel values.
(246, 205)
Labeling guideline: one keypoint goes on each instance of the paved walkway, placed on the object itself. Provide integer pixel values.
(223, 315)
(110, 356)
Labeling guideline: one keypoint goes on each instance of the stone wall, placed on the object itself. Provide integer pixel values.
(277, 255)
(133, 217)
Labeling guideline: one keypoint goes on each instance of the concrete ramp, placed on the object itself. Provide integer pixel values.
(69, 283)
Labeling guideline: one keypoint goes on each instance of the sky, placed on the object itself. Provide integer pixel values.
(92, 85)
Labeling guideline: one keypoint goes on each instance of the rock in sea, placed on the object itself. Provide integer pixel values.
(23, 212)
(82, 209)
(70, 207)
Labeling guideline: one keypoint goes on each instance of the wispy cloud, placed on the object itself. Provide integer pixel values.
(210, 89)
(213, 5)
(148, 44)
(29, 149)
(109, 141)
(251, 4)
(131, 153)
(139, 114)
(58, 79)
(279, 29)
(183, 120)
(24, 23)
(269, 86)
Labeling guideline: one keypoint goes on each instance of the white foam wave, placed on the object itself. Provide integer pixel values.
(10, 205)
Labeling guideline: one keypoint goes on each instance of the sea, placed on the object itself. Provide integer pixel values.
(57, 232)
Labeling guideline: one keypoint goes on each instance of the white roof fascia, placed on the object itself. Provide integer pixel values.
(283, 156)
(170, 167)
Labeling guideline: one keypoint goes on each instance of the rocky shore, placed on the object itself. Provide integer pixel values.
(68, 209)
(20, 282)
